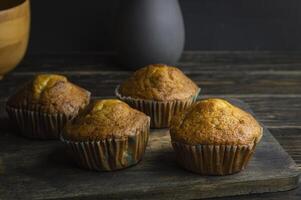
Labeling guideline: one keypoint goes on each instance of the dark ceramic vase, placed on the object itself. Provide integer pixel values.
(151, 31)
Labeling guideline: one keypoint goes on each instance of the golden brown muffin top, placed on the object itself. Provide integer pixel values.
(215, 121)
(159, 82)
(105, 119)
(52, 93)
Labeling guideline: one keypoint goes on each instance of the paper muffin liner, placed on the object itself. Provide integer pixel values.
(110, 154)
(160, 112)
(213, 159)
(34, 123)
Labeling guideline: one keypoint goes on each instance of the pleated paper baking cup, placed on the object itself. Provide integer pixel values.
(160, 112)
(213, 159)
(109, 154)
(35, 124)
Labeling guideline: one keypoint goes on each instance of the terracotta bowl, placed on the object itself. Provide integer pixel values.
(14, 33)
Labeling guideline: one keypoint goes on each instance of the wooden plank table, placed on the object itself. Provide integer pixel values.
(270, 82)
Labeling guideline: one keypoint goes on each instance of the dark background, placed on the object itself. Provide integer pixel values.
(65, 25)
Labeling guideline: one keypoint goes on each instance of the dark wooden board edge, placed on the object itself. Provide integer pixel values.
(284, 183)
(277, 184)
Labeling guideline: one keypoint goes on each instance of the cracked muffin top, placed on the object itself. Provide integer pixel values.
(215, 121)
(159, 82)
(52, 94)
(105, 119)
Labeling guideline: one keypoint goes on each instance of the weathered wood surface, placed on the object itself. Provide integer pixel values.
(243, 83)
(271, 86)
(41, 170)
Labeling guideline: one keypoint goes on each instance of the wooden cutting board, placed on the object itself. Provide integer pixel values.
(31, 169)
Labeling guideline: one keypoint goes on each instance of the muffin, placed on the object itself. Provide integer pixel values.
(43, 106)
(214, 137)
(160, 91)
(108, 135)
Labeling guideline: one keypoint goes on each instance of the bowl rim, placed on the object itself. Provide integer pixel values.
(10, 9)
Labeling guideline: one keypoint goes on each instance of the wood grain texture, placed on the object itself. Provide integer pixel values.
(213, 83)
(41, 170)
(271, 86)
(197, 61)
